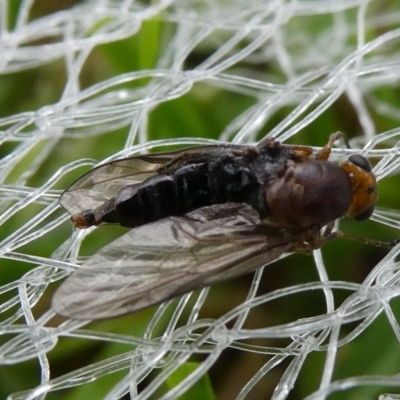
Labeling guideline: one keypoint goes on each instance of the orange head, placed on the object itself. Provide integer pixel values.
(363, 181)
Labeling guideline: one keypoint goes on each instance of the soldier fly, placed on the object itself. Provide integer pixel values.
(204, 215)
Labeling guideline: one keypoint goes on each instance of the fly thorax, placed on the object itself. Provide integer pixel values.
(310, 193)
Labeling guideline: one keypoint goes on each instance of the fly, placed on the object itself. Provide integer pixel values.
(205, 215)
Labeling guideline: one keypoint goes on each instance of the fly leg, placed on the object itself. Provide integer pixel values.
(303, 152)
(325, 152)
(377, 243)
(328, 236)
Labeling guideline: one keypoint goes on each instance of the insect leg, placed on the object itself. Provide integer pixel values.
(303, 152)
(325, 152)
(373, 242)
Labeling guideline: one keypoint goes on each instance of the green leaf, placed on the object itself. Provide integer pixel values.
(201, 390)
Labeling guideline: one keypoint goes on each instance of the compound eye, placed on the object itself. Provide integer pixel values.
(361, 162)
(366, 214)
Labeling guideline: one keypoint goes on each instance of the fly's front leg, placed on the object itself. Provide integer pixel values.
(302, 152)
(325, 152)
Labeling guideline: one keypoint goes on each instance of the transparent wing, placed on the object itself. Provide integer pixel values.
(104, 182)
(160, 261)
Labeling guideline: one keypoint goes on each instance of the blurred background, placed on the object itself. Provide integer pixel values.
(85, 81)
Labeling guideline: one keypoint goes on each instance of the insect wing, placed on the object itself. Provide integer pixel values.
(105, 181)
(159, 261)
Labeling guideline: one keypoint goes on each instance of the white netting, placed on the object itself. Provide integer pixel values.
(102, 79)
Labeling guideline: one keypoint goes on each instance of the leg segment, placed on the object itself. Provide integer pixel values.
(325, 152)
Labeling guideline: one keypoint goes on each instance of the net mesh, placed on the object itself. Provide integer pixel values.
(98, 80)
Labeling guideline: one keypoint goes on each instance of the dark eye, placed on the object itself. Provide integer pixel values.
(361, 162)
(366, 214)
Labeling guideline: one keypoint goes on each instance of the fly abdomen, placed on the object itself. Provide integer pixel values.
(149, 201)
(191, 187)
(187, 188)
(163, 195)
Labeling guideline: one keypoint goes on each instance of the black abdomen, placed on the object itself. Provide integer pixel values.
(187, 188)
